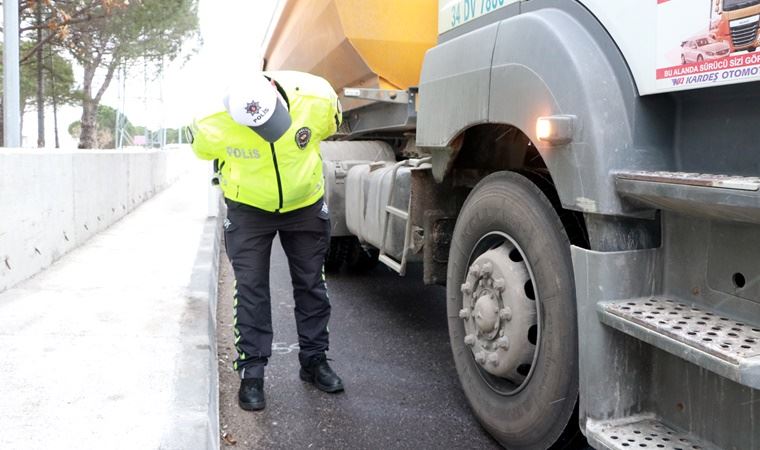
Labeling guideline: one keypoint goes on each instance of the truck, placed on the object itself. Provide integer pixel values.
(736, 23)
(589, 198)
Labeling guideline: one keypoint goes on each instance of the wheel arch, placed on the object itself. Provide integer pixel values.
(583, 74)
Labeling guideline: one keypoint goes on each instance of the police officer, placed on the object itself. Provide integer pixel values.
(266, 142)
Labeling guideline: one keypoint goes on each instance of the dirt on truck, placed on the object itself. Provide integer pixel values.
(583, 177)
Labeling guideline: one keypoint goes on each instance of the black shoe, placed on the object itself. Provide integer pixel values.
(251, 394)
(320, 373)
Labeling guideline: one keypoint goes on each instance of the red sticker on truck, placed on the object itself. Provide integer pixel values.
(707, 42)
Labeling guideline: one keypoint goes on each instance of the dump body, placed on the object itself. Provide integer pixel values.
(354, 43)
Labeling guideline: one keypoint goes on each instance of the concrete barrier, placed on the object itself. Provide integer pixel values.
(53, 201)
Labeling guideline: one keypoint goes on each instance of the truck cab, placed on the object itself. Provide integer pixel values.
(736, 23)
(583, 181)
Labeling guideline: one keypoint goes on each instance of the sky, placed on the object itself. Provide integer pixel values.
(232, 33)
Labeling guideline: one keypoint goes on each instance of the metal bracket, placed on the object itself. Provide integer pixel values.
(386, 112)
(378, 95)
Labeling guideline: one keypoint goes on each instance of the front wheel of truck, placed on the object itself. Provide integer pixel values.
(512, 314)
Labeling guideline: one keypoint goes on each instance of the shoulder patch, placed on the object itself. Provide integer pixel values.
(303, 137)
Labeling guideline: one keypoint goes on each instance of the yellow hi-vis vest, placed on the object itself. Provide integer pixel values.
(282, 176)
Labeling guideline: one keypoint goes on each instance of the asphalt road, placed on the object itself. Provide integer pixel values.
(389, 343)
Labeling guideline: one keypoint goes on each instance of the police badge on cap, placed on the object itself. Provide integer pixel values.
(256, 103)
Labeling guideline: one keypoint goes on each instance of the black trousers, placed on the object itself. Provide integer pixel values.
(305, 237)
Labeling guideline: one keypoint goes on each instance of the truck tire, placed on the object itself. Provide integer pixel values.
(349, 251)
(336, 254)
(512, 314)
(360, 259)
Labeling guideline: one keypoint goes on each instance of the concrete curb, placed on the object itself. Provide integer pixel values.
(195, 421)
(209, 272)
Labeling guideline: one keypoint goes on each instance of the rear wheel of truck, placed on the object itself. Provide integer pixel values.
(512, 314)
(336, 254)
(360, 259)
(349, 251)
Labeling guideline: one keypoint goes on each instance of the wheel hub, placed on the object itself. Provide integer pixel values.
(486, 313)
(499, 312)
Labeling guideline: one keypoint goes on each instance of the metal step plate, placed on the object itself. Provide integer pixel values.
(718, 197)
(726, 346)
(694, 179)
(644, 433)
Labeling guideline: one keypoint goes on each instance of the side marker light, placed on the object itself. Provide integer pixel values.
(555, 130)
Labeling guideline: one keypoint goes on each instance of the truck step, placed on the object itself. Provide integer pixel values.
(724, 345)
(722, 197)
(391, 263)
(641, 433)
(694, 179)
(401, 214)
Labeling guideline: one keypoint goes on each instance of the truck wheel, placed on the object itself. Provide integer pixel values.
(336, 254)
(512, 314)
(361, 259)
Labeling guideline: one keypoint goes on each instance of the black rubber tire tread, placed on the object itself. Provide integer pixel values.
(360, 259)
(336, 254)
(539, 415)
(575, 226)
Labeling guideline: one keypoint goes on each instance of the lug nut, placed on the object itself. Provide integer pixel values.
(487, 268)
(505, 313)
(470, 339)
(499, 284)
(464, 313)
(493, 359)
(466, 288)
(480, 357)
(502, 343)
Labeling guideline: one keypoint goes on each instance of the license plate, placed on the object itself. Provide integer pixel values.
(455, 13)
